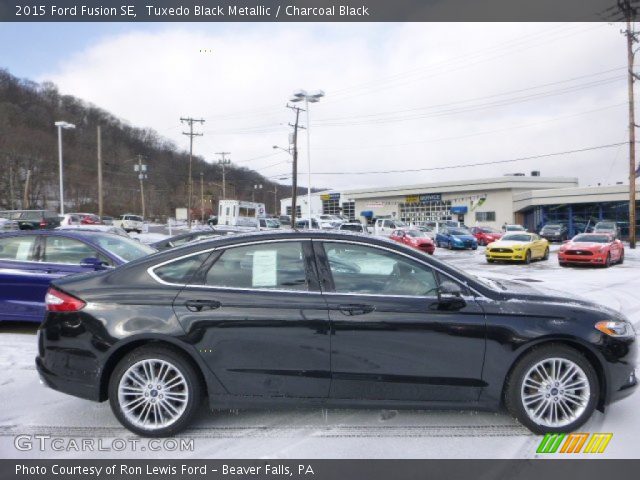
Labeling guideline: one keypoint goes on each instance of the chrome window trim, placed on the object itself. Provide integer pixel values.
(209, 250)
(153, 275)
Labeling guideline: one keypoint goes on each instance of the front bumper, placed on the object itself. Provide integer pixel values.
(519, 256)
(595, 259)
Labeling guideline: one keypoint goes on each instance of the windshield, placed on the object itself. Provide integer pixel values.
(125, 248)
(459, 231)
(488, 230)
(605, 226)
(552, 227)
(416, 233)
(592, 238)
(515, 228)
(517, 238)
(272, 223)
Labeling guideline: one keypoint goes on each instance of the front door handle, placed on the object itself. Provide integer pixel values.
(200, 305)
(352, 310)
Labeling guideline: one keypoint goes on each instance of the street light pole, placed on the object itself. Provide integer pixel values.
(308, 97)
(60, 126)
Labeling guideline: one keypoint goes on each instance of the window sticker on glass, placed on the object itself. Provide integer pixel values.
(264, 268)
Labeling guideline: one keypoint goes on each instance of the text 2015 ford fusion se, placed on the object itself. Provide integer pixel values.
(324, 318)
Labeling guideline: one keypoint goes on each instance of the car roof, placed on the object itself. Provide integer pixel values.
(81, 234)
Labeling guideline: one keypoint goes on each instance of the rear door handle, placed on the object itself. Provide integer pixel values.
(200, 305)
(353, 310)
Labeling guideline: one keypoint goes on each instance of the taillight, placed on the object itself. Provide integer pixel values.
(57, 301)
(43, 224)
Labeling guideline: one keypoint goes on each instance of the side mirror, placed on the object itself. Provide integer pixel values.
(93, 262)
(450, 296)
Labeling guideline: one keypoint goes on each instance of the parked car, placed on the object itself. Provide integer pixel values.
(414, 238)
(455, 237)
(519, 247)
(106, 220)
(88, 218)
(607, 226)
(384, 226)
(304, 223)
(513, 228)
(185, 238)
(31, 219)
(486, 235)
(250, 325)
(592, 248)
(353, 227)
(131, 223)
(328, 222)
(30, 260)
(212, 220)
(555, 232)
(69, 219)
(285, 220)
(268, 223)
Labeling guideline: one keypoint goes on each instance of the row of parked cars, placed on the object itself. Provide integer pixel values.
(46, 219)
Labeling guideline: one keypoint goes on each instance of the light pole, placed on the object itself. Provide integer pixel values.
(308, 97)
(253, 192)
(60, 126)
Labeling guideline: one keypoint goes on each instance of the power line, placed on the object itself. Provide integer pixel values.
(478, 164)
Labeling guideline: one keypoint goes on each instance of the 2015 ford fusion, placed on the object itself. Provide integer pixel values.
(326, 318)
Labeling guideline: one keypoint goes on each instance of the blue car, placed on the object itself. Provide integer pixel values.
(455, 237)
(30, 260)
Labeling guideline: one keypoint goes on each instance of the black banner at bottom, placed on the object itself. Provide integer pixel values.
(582, 469)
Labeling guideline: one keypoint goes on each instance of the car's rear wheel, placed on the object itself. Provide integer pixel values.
(621, 260)
(552, 389)
(154, 391)
(546, 254)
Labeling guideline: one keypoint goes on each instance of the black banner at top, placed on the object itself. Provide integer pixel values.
(316, 10)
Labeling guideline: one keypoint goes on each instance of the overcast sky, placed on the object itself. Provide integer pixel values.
(398, 96)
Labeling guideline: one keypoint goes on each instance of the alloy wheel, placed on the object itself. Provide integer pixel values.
(555, 392)
(153, 394)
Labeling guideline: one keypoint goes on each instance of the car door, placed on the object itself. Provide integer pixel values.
(23, 280)
(260, 321)
(391, 337)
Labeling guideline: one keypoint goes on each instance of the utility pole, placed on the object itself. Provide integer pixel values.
(275, 199)
(11, 192)
(223, 162)
(629, 14)
(25, 198)
(202, 197)
(190, 121)
(100, 197)
(294, 173)
(142, 175)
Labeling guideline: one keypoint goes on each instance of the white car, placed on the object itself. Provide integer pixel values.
(69, 219)
(385, 226)
(513, 228)
(131, 223)
(328, 222)
(353, 227)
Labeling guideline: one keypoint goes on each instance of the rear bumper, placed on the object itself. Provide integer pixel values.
(68, 385)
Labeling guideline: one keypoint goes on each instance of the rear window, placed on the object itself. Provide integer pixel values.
(17, 248)
(30, 216)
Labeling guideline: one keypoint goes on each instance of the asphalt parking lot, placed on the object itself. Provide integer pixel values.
(30, 409)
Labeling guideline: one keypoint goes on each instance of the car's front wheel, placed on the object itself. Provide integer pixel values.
(154, 391)
(552, 389)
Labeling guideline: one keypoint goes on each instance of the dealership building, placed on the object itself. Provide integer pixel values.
(530, 200)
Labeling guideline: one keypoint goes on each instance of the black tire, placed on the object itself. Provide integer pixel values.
(621, 261)
(607, 262)
(527, 257)
(474, 248)
(180, 363)
(564, 264)
(490, 260)
(513, 387)
(546, 254)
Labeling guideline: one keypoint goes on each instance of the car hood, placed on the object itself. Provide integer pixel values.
(464, 237)
(584, 245)
(507, 244)
(523, 291)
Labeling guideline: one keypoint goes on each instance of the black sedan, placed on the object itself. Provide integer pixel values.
(326, 318)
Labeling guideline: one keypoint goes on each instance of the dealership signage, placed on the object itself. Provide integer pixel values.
(424, 198)
(330, 196)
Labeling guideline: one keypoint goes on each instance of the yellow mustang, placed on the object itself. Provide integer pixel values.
(521, 247)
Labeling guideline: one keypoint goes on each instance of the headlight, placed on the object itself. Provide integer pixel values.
(616, 328)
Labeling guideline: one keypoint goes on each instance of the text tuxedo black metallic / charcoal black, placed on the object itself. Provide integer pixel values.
(325, 318)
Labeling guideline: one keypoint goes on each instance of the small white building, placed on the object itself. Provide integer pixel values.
(238, 213)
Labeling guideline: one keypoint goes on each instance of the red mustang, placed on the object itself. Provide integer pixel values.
(486, 235)
(592, 248)
(414, 238)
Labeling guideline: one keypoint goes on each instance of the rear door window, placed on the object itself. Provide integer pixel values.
(19, 248)
(67, 251)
